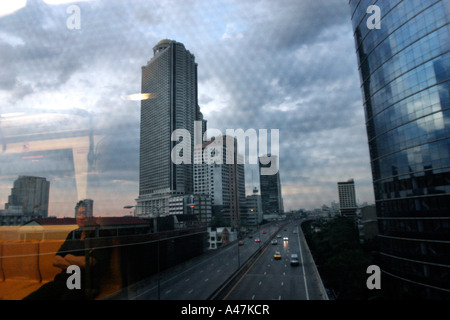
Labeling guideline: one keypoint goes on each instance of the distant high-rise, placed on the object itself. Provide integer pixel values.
(88, 204)
(272, 201)
(404, 71)
(31, 194)
(347, 198)
(219, 173)
(169, 81)
(254, 214)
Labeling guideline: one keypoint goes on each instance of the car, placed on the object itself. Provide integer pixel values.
(279, 236)
(295, 232)
(286, 239)
(294, 260)
(274, 241)
(241, 243)
(264, 232)
(277, 255)
(250, 236)
(257, 240)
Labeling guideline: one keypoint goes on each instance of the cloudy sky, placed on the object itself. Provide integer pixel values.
(262, 64)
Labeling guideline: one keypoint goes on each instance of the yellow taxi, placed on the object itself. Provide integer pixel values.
(277, 255)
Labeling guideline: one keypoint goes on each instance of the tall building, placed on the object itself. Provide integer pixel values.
(272, 201)
(254, 209)
(28, 200)
(31, 194)
(347, 198)
(404, 72)
(198, 205)
(219, 173)
(169, 80)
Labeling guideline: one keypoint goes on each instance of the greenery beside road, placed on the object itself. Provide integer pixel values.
(341, 259)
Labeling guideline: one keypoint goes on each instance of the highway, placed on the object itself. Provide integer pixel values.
(199, 277)
(266, 279)
(276, 279)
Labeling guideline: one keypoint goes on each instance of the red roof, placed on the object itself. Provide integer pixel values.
(103, 221)
(55, 221)
(109, 221)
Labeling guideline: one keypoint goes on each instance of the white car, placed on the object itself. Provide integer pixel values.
(294, 260)
(285, 239)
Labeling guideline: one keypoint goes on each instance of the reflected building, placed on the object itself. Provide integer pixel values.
(88, 204)
(404, 73)
(28, 200)
(34, 144)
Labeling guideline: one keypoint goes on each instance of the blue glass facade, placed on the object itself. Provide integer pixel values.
(405, 82)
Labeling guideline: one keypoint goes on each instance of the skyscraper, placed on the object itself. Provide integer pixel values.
(254, 214)
(219, 173)
(169, 80)
(272, 202)
(31, 194)
(404, 72)
(347, 198)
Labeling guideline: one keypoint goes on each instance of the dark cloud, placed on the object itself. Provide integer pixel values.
(287, 65)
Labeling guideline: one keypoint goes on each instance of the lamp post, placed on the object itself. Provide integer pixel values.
(259, 230)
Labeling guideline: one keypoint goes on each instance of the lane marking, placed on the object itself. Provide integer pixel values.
(303, 264)
(248, 270)
(216, 256)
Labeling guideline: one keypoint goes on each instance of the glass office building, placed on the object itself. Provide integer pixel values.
(404, 72)
(272, 201)
(170, 80)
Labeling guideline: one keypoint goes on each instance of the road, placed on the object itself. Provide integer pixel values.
(198, 278)
(266, 279)
(272, 279)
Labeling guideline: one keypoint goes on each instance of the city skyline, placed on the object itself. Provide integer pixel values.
(255, 71)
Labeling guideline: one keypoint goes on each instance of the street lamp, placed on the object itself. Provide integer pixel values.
(130, 207)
